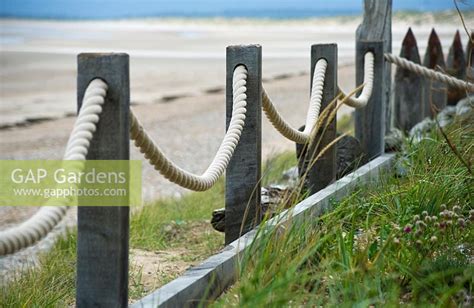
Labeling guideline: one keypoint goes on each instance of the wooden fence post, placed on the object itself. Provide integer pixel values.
(324, 170)
(377, 26)
(470, 59)
(243, 175)
(456, 66)
(102, 242)
(434, 92)
(408, 97)
(370, 120)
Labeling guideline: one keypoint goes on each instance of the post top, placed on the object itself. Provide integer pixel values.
(244, 46)
(101, 54)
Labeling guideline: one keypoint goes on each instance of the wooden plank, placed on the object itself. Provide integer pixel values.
(434, 92)
(407, 95)
(208, 280)
(242, 187)
(377, 26)
(370, 120)
(470, 59)
(323, 171)
(102, 242)
(456, 66)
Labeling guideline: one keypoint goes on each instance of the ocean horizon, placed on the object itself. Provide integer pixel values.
(276, 9)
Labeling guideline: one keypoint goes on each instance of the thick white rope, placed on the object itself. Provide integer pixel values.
(362, 100)
(429, 73)
(217, 167)
(313, 110)
(47, 217)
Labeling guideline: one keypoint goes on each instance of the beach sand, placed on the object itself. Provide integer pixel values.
(177, 80)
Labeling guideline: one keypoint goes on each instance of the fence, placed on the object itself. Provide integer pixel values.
(103, 232)
(415, 94)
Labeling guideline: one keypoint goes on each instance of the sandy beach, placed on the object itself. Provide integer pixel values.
(177, 79)
(169, 58)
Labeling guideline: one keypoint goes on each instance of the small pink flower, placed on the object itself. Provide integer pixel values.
(407, 228)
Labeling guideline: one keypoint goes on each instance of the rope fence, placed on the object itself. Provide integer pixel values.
(239, 154)
(40, 224)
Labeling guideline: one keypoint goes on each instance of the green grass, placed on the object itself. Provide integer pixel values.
(51, 286)
(166, 225)
(362, 254)
(345, 124)
(356, 255)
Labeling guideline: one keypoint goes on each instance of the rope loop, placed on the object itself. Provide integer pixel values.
(362, 100)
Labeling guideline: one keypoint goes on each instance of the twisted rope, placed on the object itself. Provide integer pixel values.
(429, 73)
(43, 221)
(217, 167)
(313, 110)
(362, 100)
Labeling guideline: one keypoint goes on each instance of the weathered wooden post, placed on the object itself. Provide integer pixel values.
(102, 243)
(456, 66)
(243, 175)
(318, 174)
(408, 97)
(370, 120)
(434, 92)
(377, 26)
(470, 59)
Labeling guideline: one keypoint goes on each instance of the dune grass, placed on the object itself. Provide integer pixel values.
(406, 240)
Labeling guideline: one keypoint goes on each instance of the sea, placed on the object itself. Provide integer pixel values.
(272, 9)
